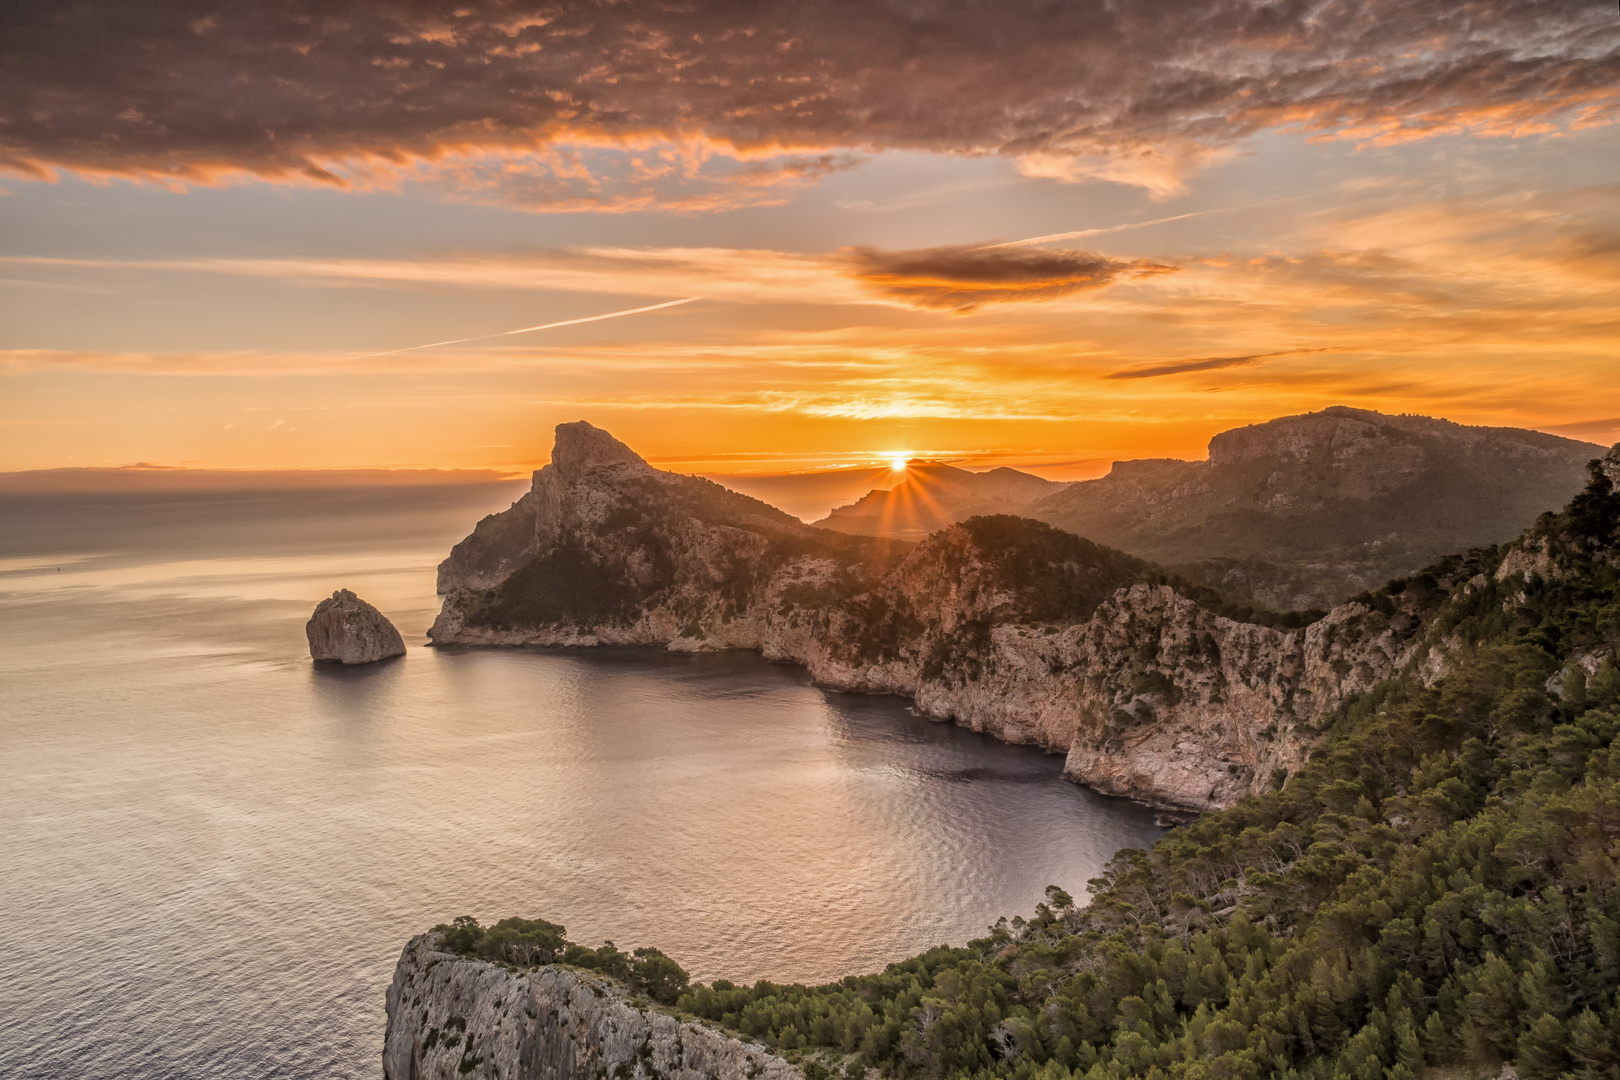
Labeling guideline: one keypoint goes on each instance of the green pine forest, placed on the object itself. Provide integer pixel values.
(1433, 895)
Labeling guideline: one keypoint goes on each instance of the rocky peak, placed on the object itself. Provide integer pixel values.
(581, 447)
(1340, 430)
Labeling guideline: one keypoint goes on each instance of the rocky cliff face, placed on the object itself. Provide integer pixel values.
(1304, 511)
(451, 1018)
(1151, 686)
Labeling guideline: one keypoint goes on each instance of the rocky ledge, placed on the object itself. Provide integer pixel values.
(346, 630)
(450, 1018)
(1153, 687)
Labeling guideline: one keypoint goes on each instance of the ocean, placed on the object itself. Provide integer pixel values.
(212, 850)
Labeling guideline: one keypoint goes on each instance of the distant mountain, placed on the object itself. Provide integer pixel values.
(1305, 511)
(933, 496)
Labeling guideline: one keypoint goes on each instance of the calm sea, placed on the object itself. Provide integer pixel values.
(212, 851)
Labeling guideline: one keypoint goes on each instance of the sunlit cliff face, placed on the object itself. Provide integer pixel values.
(1016, 234)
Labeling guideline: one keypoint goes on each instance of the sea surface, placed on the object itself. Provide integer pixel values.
(212, 850)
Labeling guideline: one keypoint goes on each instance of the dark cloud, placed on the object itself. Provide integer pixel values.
(961, 278)
(1178, 367)
(187, 88)
(1208, 363)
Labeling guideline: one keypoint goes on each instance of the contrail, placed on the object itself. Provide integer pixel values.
(530, 329)
(1077, 234)
(1121, 228)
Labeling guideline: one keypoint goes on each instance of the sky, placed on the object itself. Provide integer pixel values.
(1040, 234)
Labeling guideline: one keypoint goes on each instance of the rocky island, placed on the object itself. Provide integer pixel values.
(1151, 685)
(346, 630)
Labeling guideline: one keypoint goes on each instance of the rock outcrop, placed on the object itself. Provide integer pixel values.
(346, 630)
(451, 1018)
(1152, 687)
(1304, 511)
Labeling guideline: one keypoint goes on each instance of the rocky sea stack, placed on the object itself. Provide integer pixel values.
(347, 630)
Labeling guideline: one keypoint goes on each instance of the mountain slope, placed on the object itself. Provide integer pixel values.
(1304, 511)
(1152, 686)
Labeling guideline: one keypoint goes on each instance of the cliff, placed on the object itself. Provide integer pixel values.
(1304, 511)
(1152, 687)
(450, 1018)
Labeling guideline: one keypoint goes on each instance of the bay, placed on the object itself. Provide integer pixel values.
(213, 850)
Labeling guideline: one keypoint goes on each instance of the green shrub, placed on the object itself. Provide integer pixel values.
(531, 942)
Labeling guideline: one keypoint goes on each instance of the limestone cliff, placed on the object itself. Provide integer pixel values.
(1153, 687)
(451, 1018)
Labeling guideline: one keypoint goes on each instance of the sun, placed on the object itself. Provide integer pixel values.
(897, 461)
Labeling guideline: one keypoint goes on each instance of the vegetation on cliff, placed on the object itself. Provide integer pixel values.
(528, 942)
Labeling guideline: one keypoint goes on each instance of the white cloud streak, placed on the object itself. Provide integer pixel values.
(1078, 234)
(532, 329)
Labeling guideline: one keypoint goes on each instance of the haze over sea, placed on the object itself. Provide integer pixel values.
(214, 850)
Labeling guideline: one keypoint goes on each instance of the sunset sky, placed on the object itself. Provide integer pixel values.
(1039, 234)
